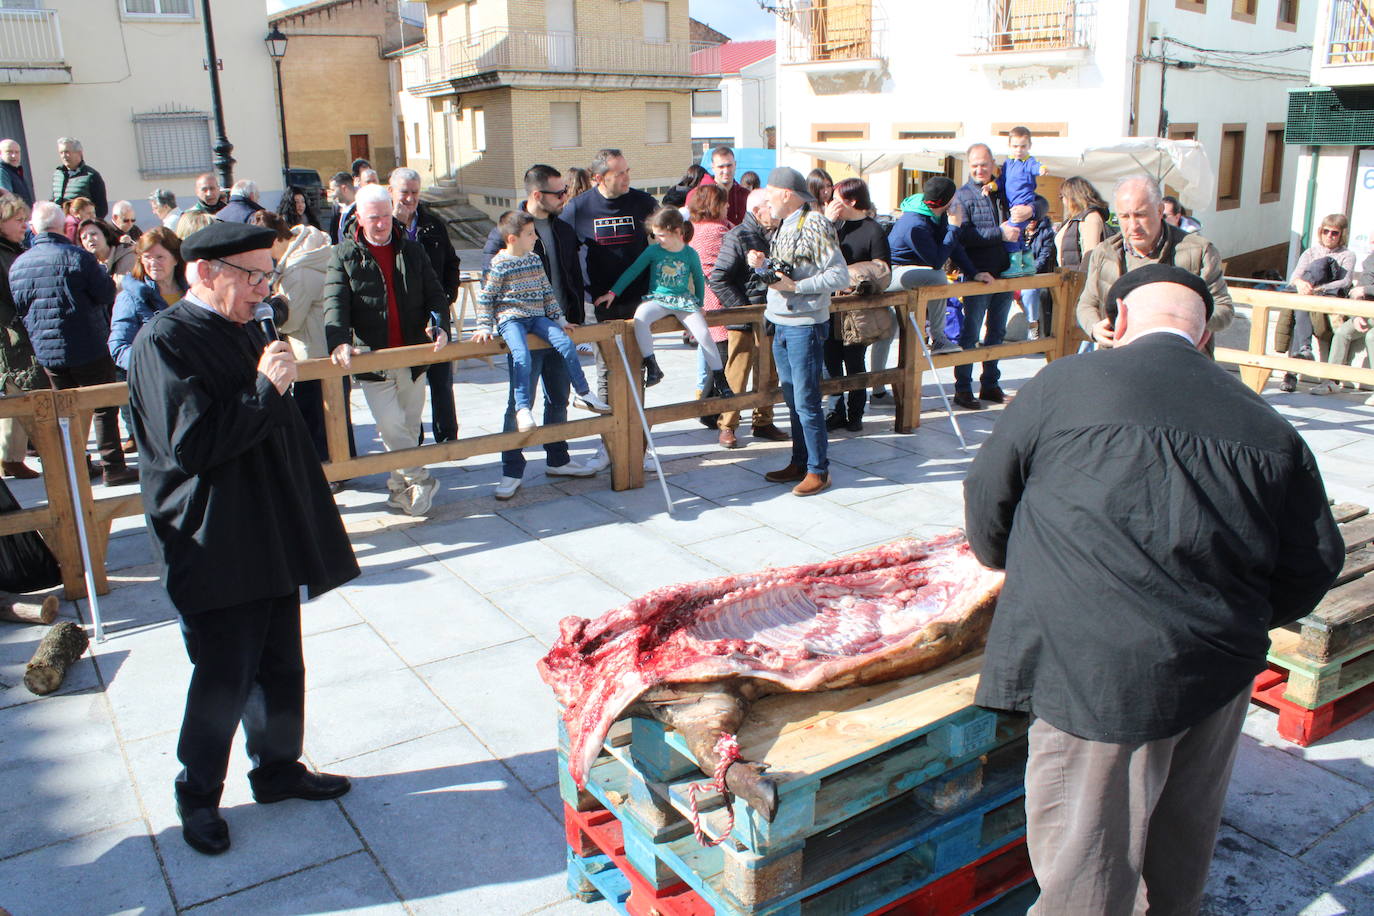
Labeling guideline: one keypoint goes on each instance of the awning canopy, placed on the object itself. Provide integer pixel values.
(1182, 164)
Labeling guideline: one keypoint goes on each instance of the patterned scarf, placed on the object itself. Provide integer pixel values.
(811, 239)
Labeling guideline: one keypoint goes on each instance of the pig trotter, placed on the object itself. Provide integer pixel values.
(748, 781)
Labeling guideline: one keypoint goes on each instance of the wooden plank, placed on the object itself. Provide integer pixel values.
(1328, 304)
(1348, 512)
(1297, 366)
(1358, 533)
(1357, 563)
(1342, 622)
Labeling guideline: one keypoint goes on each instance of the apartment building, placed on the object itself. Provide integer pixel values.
(338, 89)
(1331, 128)
(128, 78)
(739, 110)
(1084, 71)
(502, 84)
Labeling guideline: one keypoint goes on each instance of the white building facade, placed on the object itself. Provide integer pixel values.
(1216, 71)
(128, 79)
(739, 112)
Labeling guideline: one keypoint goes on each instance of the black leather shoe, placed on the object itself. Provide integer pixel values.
(303, 784)
(835, 420)
(993, 394)
(855, 425)
(966, 400)
(769, 432)
(204, 830)
(1289, 383)
(652, 373)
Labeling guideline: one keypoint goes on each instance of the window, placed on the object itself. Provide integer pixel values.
(1183, 131)
(657, 118)
(1271, 179)
(707, 103)
(1196, 6)
(21, 4)
(415, 144)
(1288, 15)
(1229, 166)
(1243, 10)
(173, 143)
(479, 130)
(565, 125)
(656, 21)
(180, 9)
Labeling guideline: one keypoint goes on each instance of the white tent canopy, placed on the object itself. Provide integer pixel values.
(1181, 163)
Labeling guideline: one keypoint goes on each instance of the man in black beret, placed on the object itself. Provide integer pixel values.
(242, 516)
(1155, 518)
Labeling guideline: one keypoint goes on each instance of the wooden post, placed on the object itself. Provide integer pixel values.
(619, 445)
(1065, 316)
(335, 419)
(907, 394)
(1257, 377)
(764, 369)
(61, 537)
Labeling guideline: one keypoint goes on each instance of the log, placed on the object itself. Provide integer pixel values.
(61, 647)
(46, 613)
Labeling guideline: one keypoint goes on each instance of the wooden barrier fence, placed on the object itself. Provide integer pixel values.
(1256, 365)
(621, 429)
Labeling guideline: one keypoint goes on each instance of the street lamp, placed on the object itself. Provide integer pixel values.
(224, 159)
(276, 49)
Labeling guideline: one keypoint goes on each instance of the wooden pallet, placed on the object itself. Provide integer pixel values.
(1304, 726)
(1313, 684)
(900, 845)
(970, 888)
(1343, 623)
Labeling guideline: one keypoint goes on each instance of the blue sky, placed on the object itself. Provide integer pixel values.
(740, 19)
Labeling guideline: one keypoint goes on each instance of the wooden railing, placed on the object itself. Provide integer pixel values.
(1256, 365)
(621, 430)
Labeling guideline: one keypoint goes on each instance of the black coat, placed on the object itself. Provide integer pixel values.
(571, 291)
(432, 234)
(732, 279)
(238, 210)
(235, 498)
(1155, 518)
(355, 299)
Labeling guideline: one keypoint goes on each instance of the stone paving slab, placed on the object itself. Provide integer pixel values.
(421, 683)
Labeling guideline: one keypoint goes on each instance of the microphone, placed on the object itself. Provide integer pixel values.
(266, 319)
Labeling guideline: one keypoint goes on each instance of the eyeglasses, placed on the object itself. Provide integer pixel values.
(254, 276)
(562, 193)
(1330, 232)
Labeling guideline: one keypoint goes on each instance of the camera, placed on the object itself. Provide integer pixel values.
(773, 268)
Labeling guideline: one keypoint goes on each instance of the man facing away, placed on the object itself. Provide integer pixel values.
(799, 306)
(422, 226)
(380, 291)
(12, 177)
(243, 202)
(546, 194)
(241, 518)
(1146, 238)
(737, 285)
(75, 178)
(1155, 518)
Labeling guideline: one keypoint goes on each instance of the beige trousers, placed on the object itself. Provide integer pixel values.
(396, 406)
(1123, 829)
(740, 359)
(14, 439)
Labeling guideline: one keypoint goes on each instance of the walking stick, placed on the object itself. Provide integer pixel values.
(644, 421)
(64, 423)
(949, 408)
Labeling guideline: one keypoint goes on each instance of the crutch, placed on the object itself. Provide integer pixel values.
(64, 423)
(644, 421)
(949, 408)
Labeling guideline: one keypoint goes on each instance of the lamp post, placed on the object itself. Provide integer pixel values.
(276, 49)
(224, 161)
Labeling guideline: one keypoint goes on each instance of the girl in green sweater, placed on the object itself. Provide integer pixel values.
(678, 288)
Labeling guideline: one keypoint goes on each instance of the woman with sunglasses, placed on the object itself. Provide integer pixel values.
(1295, 329)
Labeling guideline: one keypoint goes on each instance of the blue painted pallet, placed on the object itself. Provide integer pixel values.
(897, 847)
(596, 877)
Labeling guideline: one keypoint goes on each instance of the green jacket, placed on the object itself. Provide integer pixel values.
(83, 182)
(355, 300)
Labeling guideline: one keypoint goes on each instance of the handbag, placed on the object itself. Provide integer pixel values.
(865, 326)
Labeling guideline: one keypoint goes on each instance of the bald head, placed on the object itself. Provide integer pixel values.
(1158, 306)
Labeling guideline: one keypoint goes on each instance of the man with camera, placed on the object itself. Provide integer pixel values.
(805, 267)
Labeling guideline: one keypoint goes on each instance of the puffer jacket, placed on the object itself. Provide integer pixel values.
(17, 365)
(83, 181)
(136, 303)
(355, 299)
(303, 268)
(63, 296)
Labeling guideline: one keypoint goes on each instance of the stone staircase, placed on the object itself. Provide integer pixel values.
(467, 226)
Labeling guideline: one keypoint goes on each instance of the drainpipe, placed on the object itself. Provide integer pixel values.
(1312, 153)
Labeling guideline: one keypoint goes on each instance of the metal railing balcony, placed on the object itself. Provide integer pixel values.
(1034, 25)
(545, 52)
(30, 38)
(834, 30)
(1351, 38)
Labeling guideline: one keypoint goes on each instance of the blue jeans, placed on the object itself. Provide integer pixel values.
(995, 307)
(513, 331)
(545, 365)
(798, 351)
(1030, 303)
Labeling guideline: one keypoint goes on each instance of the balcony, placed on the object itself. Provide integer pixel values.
(1344, 54)
(31, 48)
(839, 44)
(508, 57)
(1013, 33)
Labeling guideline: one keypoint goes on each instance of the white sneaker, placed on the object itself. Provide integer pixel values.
(1324, 388)
(586, 349)
(399, 500)
(590, 402)
(524, 420)
(649, 465)
(598, 461)
(948, 346)
(422, 496)
(571, 469)
(507, 487)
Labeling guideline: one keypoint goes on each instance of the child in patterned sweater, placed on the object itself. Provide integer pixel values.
(517, 300)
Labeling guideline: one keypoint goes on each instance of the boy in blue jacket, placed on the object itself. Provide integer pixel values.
(1017, 185)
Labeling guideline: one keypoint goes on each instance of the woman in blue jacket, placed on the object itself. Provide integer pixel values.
(157, 281)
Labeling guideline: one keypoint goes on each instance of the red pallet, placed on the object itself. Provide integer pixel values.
(590, 832)
(1304, 726)
(969, 887)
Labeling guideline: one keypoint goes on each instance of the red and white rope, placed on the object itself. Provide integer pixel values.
(727, 752)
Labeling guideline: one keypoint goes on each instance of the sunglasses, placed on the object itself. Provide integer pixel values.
(1331, 232)
(562, 193)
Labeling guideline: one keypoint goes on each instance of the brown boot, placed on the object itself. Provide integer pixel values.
(771, 433)
(18, 470)
(728, 439)
(786, 475)
(117, 476)
(811, 485)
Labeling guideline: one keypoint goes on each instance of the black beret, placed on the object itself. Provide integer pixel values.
(1147, 274)
(221, 239)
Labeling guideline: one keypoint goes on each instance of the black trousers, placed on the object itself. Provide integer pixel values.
(846, 359)
(100, 372)
(443, 412)
(248, 668)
